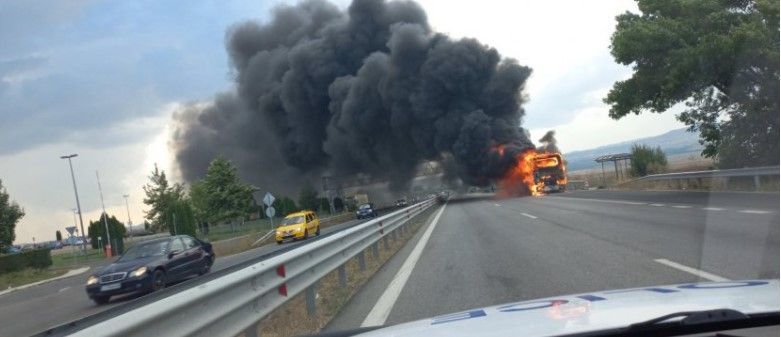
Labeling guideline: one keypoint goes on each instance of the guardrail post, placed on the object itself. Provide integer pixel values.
(376, 250)
(252, 331)
(361, 261)
(756, 183)
(310, 299)
(342, 276)
(385, 242)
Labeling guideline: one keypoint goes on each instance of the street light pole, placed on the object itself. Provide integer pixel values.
(129, 222)
(78, 205)
(105, 216)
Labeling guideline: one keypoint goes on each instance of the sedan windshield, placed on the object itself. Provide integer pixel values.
(292, 221)
(365, 207)
(157, 248)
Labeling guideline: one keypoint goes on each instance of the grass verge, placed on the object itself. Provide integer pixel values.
(29, 275)
(63, 261)
(292, 318)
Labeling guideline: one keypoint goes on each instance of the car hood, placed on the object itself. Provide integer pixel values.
(127, 266)
(595, 311)
(290, 227)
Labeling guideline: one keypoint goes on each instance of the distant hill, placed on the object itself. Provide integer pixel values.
(675, 142)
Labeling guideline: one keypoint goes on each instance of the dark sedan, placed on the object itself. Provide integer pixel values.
(150, 265)
(366, 211)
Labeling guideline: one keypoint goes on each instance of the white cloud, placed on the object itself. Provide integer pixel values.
(40, 181)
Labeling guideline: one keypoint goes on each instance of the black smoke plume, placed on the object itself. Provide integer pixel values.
(372, 90)
(548, 143)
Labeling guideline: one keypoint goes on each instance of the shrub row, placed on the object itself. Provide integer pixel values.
(37, 258)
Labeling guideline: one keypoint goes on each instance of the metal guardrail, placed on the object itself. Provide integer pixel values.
(234, 303)
(754, 172)
(741, 172)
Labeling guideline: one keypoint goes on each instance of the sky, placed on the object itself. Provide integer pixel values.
(102, 78)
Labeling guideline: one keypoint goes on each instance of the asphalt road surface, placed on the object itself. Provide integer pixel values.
(35, 309)
(486, 251)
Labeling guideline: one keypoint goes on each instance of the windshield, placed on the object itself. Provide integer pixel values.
(292, 221)
(144, 250)
(548, 148)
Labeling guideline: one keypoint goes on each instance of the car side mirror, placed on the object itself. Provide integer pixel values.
(173, 253)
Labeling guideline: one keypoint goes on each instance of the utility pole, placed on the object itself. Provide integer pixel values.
(105, 215)
(78, 205)
(129, 222)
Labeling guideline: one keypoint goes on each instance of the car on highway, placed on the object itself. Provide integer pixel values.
(401, 202)
(299, 225)
(74, 241)
(366, 211)
(11, 250)
(151, 265)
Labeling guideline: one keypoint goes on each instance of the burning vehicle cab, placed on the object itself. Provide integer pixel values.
(549, 173)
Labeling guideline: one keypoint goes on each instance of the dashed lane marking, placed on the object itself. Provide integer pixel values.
(528, 215)
(703, 274)
(754, 211)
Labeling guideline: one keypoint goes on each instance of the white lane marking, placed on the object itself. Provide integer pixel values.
(682, 206)
(497, 205)
(63, 289)
(690, 270)
(387, 300)
(712, 209)
(623, 202)
(528, 215)
(656, 205)
(754, 211)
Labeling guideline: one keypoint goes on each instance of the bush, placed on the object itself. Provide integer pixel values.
(647, 160)
(38, 258)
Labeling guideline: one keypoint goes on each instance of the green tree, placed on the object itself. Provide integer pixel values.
(58, 235)
(221, 195)
(160, 194)
(180, 218)
(324, 206)
(647, 160)
(10, 214)
(307, 198)
(719, 57)
(284, 206)
(338, 204)
(97, 229)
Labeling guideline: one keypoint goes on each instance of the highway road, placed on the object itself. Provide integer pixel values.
(35, 309)
(486, 251)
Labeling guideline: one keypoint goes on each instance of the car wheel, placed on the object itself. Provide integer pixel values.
(317, 233)
(207, 266)
(158, 280)
(279, 242)
(100, 300)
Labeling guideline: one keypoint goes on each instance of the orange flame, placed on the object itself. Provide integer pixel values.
(521, 179)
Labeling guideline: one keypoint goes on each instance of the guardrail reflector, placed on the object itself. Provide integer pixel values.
(283, 289)
(281, 270)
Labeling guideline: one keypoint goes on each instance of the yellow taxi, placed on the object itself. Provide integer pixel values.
(298, 225)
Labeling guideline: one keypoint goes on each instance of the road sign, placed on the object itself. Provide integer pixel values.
(270, 212)
(268, 199)
(71, 230)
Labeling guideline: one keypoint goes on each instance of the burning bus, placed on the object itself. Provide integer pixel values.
(550, 174)
(535, 173)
